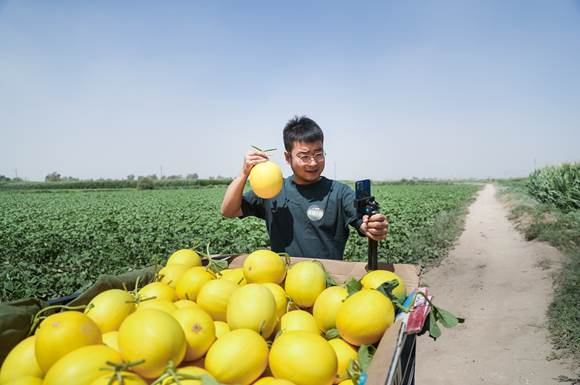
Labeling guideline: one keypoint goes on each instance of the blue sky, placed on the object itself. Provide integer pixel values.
(433, 89)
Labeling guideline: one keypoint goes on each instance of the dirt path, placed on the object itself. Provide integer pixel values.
(502, 284)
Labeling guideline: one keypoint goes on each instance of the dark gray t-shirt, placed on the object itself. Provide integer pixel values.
(306, 220)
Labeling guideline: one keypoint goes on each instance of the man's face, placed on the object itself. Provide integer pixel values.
(306, 161)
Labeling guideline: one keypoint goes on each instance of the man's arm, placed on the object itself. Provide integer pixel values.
(232, 203)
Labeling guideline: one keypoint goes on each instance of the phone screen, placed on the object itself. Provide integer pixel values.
(363, 189)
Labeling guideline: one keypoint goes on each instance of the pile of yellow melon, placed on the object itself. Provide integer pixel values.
(263, 323)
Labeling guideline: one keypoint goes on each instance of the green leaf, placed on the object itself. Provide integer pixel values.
(353, 370)
(222, 263)
(353, 285)
(387, 288)
(331, 334)
(434, 331)
(447, 319)
(330, 281)
(359, 366)
(217, 265)
(365, 355)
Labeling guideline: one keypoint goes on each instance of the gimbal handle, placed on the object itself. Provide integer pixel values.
(368, 206)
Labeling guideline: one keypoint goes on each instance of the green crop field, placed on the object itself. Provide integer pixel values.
(53, 243)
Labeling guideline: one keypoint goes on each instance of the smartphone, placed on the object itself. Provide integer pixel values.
(362, 189)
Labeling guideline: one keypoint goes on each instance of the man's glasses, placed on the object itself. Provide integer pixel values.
(319, 157)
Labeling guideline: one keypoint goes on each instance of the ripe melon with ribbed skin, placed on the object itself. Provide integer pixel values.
(27, 380)
(61, 333)
(326, 306)
(264, 381)
(252, 307)
(214, 296)
(109, 308)
(185, 257)
(185, 303)
(199, 331)
(238, 357)
(158, 304)
(20, 362)
(280, 298)
(266, 179)
(298, 320)
(154, 336)
(81, 366)
(157, 290)
(344, 354)
(273, 381)
(304, 358)
(374, 279)
(234, 275)
(191, 282)
(264, 266)
(364, 316)
(170, 274)
(304, 282)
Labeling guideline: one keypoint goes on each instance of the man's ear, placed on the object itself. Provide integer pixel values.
(287, 156)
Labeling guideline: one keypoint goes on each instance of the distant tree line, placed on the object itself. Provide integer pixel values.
(4, 178)
(54, 180)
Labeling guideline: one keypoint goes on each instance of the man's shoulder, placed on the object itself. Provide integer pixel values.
(340, 187)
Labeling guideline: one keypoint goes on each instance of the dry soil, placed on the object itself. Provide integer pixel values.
(502, 285)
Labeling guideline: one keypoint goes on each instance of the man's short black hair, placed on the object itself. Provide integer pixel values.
(301, 129)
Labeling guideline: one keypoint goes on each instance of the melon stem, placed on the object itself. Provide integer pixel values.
(38, 318)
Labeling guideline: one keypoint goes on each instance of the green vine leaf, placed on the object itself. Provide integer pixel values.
(447, 319)
(437, 314)
(331, 334)
(357, 368)
(434, 330)
(365, 356)
(387, 288)
(353, 285)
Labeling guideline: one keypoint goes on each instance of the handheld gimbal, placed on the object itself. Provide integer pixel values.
(366, 205)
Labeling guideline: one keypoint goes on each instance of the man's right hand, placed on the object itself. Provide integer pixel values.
(252, 158)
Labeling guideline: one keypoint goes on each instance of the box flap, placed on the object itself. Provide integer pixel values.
(378, 370)
(341, 271)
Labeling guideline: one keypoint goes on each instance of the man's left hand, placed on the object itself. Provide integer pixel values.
(375, 227)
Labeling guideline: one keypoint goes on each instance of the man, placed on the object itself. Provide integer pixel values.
(311, 215)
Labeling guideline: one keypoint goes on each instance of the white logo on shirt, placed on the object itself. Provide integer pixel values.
(315, 213)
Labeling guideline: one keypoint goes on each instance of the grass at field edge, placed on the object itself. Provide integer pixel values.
(562, 230)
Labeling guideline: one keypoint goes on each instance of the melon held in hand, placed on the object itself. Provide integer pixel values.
(266, 179)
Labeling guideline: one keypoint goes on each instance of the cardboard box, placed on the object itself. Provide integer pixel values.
(385, 363)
